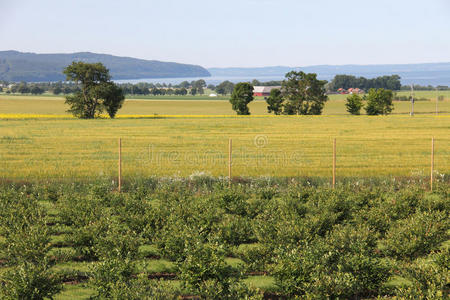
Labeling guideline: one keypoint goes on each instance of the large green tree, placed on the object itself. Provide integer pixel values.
(225, 87)
(379, 102)
(98, 92)
(275, 102)
(354, 104)
(199, 86)
(304, 94)
(36, 90)
(242, 95)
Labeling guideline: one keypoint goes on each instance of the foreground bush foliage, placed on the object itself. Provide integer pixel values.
(316, 242)
(26, 246)
(342, 264)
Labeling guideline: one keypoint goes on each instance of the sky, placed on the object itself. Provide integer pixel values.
(234, 33)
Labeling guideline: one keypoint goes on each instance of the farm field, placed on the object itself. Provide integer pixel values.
(267, 237)
(199, 105)
(397, 145)
(179, 230)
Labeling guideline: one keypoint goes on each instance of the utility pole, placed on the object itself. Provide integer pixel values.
(412, 100)
(437, 100)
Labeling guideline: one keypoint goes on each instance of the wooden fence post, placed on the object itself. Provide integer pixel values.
(119, 180)
(230, 149)
(334, 162)
(432, 163)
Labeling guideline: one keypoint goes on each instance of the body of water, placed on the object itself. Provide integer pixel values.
(209, 80)
(420, 78)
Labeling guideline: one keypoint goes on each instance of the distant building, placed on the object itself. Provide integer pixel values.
(213, 95)
(350, 91)
(263, 91)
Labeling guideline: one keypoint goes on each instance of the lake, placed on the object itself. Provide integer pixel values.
(407, 78)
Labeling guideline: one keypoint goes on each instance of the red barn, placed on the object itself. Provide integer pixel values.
(263, 91)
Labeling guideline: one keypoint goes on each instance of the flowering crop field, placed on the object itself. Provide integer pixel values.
(197, 105)
(55, 147)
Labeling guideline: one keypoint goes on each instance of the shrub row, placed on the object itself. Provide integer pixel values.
(317, 242)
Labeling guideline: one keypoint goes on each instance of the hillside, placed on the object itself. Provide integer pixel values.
(424, 74)
(19, 66)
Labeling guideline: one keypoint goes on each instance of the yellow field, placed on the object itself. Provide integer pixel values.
(275, 146)
(51, 105)
(38, 139)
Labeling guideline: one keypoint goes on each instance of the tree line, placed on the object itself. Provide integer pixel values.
(300, 94)
(418, 87)
(198, 87)
(39, 88)
(346, 82)
(93, 92)
(142, 88)
(303, 94)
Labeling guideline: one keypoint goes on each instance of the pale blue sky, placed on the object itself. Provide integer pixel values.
(234, 33)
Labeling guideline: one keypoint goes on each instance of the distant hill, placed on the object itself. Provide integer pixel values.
(19, 66)
(424, 74)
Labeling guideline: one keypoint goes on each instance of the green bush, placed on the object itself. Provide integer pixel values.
(30, 243)
(116, 241)
(111, 274)
(428, 280)
(174, 238)
(317, 242)
(26, 245)
(234, 230)
(205, 272)
(434, 201)
(256, 257)
(83, 239)
(29, 281)
(232, 289)
(204, 261)
(23, 226)
(417, 235)
(402, 204)
(343, 264)
(142, 288)
(115, 278)
(136, 211)
(233, 202)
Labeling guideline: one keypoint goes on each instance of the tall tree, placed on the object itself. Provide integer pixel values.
(57, 90)
(225, 87)
(97, 92)
(304, 93)
(275, 102)
(23, 88)
(256, 82)
(184, 84)
(379, 102)
(183, 92)
(242, 95)
(35, 90)
(354, 104)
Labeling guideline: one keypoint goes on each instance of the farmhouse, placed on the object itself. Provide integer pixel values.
(263, 90)
(350, 91)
